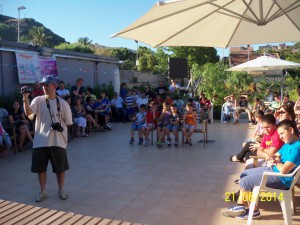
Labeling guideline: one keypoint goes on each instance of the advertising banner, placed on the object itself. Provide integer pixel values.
(32, 67)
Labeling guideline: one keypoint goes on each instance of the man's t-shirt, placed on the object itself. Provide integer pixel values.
(44, 136)
(271, 140)
(289, 153)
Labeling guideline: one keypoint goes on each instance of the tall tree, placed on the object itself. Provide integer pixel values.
(38, 37)
(85, 41)
(195, 55)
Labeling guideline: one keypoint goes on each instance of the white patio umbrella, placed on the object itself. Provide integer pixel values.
(217, 23)
(265, 63)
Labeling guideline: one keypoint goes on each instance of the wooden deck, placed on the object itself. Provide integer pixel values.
(17, 213)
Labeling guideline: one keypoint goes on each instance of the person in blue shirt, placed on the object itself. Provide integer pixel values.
(285, 161)
(118, 108)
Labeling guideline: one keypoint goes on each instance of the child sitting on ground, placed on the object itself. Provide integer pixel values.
(137, 123)
(150, 122)
(190, 120)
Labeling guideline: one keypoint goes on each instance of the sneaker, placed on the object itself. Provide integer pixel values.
(107, 128)
(159, 143)
(233, 158)
(224, 121)
(62, 195)
(250, 123)
(109, 124)
(131, 141)
(169, 141)
(234, 211)
(41, 197)
(141, 141)
(256, 214)
(175, 142)
(190, 143)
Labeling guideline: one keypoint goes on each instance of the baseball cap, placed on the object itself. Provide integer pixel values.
(48, 80)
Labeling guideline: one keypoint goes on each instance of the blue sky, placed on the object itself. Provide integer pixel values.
(95, 19)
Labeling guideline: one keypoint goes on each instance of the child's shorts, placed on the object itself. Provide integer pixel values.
(189, 127)
(173, 127)
(148, 125)
(136, 126)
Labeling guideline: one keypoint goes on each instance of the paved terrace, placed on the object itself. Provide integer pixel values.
(157, 186)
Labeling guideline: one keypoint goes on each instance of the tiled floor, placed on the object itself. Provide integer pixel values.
(157, 186)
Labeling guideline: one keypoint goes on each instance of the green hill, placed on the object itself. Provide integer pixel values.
(9, 30)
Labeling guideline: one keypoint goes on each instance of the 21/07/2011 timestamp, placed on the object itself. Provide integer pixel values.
(248, 197)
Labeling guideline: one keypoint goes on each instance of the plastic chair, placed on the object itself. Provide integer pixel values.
(286, 201)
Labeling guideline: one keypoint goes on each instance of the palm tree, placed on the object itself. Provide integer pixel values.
(85, 41)
(38, 36)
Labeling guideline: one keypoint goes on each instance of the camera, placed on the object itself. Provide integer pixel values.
(57, 127)
(26, 90)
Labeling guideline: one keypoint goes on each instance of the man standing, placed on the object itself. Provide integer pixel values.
(53, 114)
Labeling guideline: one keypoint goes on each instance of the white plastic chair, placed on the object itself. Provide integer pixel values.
(286, 201)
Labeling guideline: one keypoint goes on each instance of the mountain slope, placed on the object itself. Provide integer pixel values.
(9, 30)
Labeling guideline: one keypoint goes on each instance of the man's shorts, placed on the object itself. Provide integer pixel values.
(189, 127)
(56, 155)
(161, 125)
(136, 126)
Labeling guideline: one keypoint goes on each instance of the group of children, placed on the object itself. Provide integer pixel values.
(168, 121)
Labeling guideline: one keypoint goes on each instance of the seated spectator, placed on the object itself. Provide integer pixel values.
(79, 118)
(158, 101)
(168, 99)
(258, 105)
(243, 106)
(5, 142)
(149, 94)
(18, 119)
(173, 87)
(162, 90)
(297, 103)
(205, 108)
(162, 127)
(285, 161)
(142, 100)
(269, 145)
(78, 90)
(89, 93)
(137, 124)
(118, 108)
(174, 124)
(190, 123)
(228, 108)
(123, 90)
(105, 102)
(3, 114)
(179, 104)
(287, 101)
(285, 112)
(90, 114)
(259, 131)
(37, 90)
(275, 104)
(62, 91)
(150, 122)
(297, 113)
(128, 102)
(101, 107)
